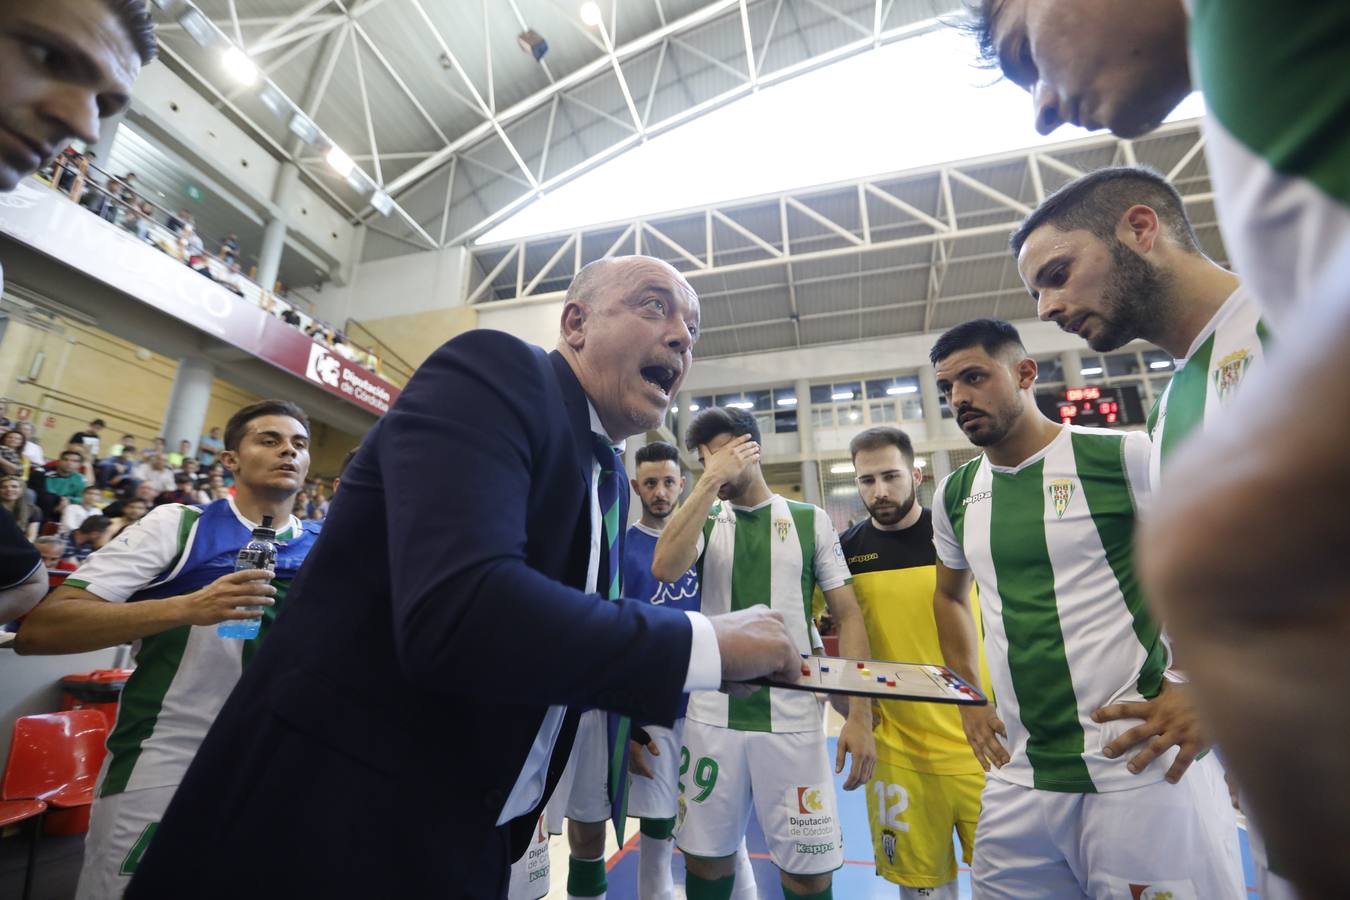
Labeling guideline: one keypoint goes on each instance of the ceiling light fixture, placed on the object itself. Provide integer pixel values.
(241, 68)
(590, 14)
(340, 161)
(898, 389)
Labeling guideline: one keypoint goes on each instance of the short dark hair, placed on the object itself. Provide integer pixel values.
(75, 453)
(1095, 202)
(978, 22)
(135, 18)
(880, 436)
(99, 422)
(717, 420)
(95, 525)
(237, 427)
(658, 451)
(993, 335)
(127, 448)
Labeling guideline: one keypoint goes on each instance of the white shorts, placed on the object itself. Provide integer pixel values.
(655, 797)
(786, 776)
(120, 829)
(1158, 840)
(582, 791)
(529, 874)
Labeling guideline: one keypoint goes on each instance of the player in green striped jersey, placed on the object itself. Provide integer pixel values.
(1111, 256)
(1044, 522)
(753, 547)
(1278, 145)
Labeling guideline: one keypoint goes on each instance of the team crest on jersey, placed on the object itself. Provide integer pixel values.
(782, 527)
(1061, 492)
(888, 844)
(1229, 371)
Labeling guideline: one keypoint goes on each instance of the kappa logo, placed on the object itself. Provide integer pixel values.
(1155, 890)
(1061, 492)
(1143, 892)
(976, 498)
(888, 844)
(323, 367)
(1228, 373)
(808, 800)
(782, 527)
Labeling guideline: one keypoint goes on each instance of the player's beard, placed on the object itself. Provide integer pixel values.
(894, 513)
(1136, 300)
(651, 511)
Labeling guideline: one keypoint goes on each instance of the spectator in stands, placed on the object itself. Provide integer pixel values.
(229, 249)
(183, 491)
(116, 449)
(233, 280)
(126, 196)
(302, 509)
(183, 452)
(89, 438)
(216, 487)
(52, 549)
(191, 467)
(32, 450)
(4, 415)
(158, 448)
(343, 349)
(129, 512)
(147, 493)
(155, 474)
(74, 514)
(58, 484)
(209, 447)
(193, 250)
(91, 535)
(14, 500)
(137, 219)
(119, 472)
(176, 223)
(12, 461)
(290, 317)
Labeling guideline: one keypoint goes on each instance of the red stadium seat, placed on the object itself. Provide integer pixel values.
(55, 757)
(11, 813)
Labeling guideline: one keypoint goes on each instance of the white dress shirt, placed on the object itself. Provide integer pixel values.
(704, 673)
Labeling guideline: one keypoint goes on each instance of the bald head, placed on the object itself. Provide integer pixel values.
(628, 328)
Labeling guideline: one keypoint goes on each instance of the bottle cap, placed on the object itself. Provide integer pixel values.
(265, 530)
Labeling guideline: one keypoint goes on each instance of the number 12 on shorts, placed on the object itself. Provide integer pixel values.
(705, 774)
(892, 801)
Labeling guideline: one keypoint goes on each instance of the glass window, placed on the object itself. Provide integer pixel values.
(700, 403)
(785, 398)
(1157, 361)
(850, 415)
(1093, 370)
(820, 393)
(883, 413)
(762, 400)
(785, 421)
(1118, 364)
(822, 417)
(849, 390)
(943, 407)
(1049, 371)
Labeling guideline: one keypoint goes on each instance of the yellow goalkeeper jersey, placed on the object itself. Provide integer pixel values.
(894, 576)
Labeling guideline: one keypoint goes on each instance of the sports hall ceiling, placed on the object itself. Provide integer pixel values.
(440, 104)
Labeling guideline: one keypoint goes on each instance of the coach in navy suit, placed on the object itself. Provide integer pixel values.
(412, 707)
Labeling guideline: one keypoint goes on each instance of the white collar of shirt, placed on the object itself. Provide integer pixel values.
(598, 428)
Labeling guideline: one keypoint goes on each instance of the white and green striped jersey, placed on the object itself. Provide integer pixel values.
(1228, 351)
(772, 554)
(1050, 544)
(183, 675)
(1277, 138)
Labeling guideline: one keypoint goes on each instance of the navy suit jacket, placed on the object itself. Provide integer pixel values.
(370, 746)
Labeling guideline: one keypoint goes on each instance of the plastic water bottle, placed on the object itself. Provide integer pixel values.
(259, 553)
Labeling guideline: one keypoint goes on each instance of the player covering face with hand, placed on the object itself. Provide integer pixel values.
(753, 547)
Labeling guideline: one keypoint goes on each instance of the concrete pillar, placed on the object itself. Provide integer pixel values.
(185, 418)
(107, 134)
(274, 234)
(807, 442)
(1072, 363)
(941, 465)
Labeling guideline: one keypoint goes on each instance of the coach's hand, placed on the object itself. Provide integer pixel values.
(856, 738)
(1169, 721)
(754, 642)
(221, 600)
(730, 460)
(983, 726)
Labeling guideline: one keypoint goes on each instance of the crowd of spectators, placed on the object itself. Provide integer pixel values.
(114, 198)
(73, 504)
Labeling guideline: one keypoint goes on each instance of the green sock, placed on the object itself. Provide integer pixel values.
(586, 877)
(661, 829)
(827, 894)
(696, 888)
